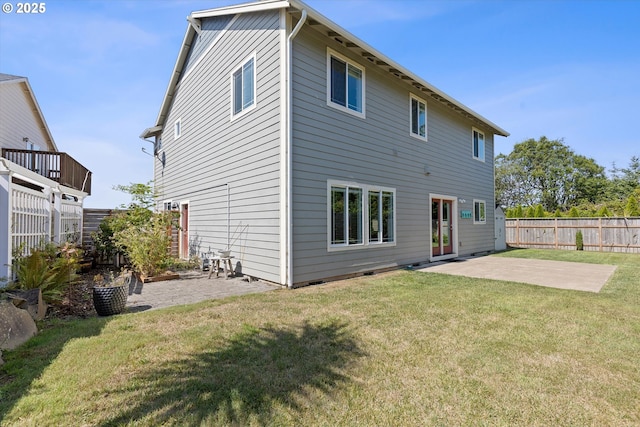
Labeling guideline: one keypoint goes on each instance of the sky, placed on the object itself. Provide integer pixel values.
(560, 68)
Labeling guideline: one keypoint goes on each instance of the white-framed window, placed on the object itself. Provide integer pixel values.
(478, 144)
(243, 87)
(345, 84)
(177, 128)
(381, 216)
(418, 117)
(479, 212)
(360, 215)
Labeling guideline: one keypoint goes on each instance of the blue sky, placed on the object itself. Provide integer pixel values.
(563, 69)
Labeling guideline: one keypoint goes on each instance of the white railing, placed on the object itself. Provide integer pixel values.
(70, 222)
(30, 219)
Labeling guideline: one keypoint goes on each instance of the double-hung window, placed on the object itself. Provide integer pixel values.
(479, 212)
(478, 144)
(360, 215)
(346, 215)
(381, 217)
(418, 113)
(346, 82)
(243, 83)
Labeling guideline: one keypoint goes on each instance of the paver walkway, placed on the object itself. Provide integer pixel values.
(556, 274)
(193, 286)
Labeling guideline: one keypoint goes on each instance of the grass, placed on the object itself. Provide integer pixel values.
(404, 348)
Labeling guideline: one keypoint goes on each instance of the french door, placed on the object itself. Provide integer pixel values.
(441, 227)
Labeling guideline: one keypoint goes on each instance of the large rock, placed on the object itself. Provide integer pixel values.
(30, 300)
(16, 326)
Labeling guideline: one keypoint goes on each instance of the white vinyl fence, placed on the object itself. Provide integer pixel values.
(599, 234)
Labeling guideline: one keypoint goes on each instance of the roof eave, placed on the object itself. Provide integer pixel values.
(392, 65)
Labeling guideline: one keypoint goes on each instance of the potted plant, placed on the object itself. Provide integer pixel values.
(110, 294)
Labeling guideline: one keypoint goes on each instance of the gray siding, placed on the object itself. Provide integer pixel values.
(19, 119)
(378, 150)
(211, 28)
(213, 150)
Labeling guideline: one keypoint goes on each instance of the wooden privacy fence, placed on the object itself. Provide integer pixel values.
(599, 234)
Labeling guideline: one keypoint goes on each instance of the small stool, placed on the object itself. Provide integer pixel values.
(226, 265)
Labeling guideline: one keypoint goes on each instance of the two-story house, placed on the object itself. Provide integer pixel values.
(41, 189)
(311, 155)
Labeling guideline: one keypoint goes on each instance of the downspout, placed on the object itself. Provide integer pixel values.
(289, 99)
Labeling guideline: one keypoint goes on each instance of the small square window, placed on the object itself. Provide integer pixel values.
(479, 212)
(478, 145)
(418, 117)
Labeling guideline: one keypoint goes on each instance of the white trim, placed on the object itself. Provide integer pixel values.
(361, 114)
(285, 259)
(426, 121)
(484, 145)
(331, 183)
(251, 107)
(484, 202)
(454, 227)
(242, 8)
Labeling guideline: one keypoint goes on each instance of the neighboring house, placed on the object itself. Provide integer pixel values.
(312, 155)
(41, 190)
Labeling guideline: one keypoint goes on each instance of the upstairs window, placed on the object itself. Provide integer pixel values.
(418, 112)
(243, 87)
(177, 129)
(345, 84)
(478, 145)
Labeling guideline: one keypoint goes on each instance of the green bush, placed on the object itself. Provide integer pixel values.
(579, 241)
(51, 268)
(147, 245)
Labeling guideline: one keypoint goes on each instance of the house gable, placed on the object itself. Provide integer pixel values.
(21, 119)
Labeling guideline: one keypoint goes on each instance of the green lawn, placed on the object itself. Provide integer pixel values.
(403, 348)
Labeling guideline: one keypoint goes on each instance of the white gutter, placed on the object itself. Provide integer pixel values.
(289, 98)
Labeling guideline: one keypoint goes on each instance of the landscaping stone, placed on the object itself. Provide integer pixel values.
(30, 300)
(16, 326)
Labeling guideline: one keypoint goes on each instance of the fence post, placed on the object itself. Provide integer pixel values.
(5, 225)
(56, 217)
(599, 234)
(555, 231)
(517, 232)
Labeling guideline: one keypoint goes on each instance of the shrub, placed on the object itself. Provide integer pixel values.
(632, 208)
(579, 241)
(147, 245)
(51, 268)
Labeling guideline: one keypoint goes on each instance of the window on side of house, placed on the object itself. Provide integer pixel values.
(346, 83)
(418, 117)
(346, 215)
(478, 144)
(360, 215)
(479, 212)
(381, 216)
(243, 87)
(177, 129)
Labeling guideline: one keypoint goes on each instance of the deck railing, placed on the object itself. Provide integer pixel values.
(59, 167)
